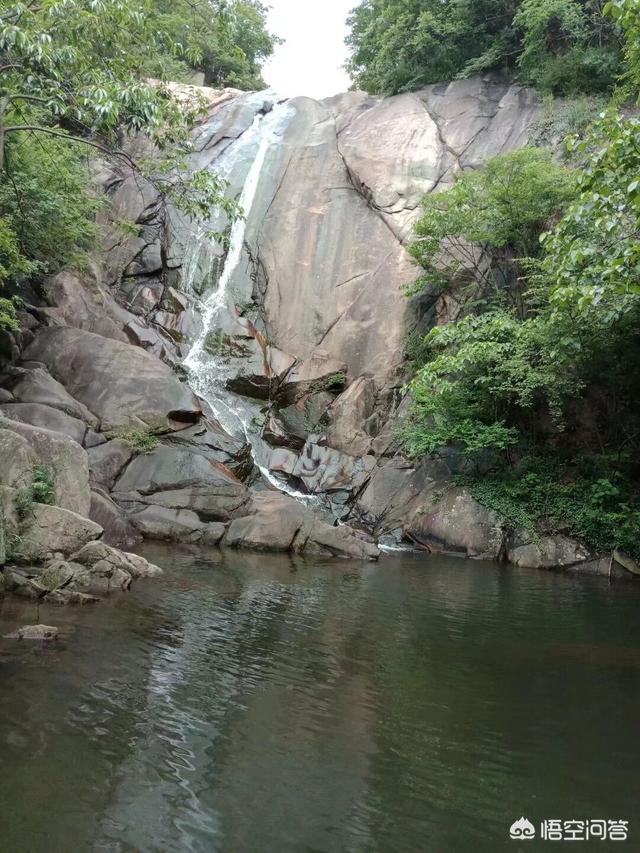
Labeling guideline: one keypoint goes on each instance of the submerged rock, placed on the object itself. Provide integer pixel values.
(34, 632)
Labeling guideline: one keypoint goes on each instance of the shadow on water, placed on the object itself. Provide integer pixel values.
(265, 703)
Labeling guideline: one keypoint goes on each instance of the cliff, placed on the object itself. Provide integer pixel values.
(248, 393)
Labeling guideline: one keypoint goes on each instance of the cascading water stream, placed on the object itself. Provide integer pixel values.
(208, 372)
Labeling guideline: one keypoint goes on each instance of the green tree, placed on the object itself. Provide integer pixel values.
(553, 392)
(627, 15)
(73, 83)
(559, 45)
(226, 41)
(478, 229)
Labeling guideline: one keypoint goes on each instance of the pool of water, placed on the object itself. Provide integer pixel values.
(262, 703)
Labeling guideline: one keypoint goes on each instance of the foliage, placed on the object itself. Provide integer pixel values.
(559, 45)
(12, 265)
(592, 259)
(41, 490)
(627, 14)
(563, 117)
(486, 381)
(489, 217)
(226, 41)
(582, 498)
(562, 50)
(46, 204)
(43, 485)
(141, 439)
(73, 82)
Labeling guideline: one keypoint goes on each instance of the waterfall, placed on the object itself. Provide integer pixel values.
(207, 372)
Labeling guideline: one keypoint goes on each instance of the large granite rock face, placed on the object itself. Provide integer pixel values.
(119, 383)
(398, 149)
(312, 327)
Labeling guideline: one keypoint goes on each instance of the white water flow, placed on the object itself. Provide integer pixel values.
(208, 372)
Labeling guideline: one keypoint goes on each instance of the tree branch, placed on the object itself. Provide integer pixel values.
(34, 128)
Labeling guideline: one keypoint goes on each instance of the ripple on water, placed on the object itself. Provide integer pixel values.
(255, 703)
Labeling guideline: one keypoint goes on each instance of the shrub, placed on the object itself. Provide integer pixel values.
(141, 439)
(41, 490)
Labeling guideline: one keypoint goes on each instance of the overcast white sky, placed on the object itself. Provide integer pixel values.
(309, 63)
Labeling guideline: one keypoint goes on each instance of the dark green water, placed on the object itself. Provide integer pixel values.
(253, 703)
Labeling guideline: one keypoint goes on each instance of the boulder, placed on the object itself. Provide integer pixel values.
(68, 596)
(181, 479)
(455, 522)
(337, 541)
(207, 438)
(23, 584)
(150, 338)
(34, 632)
(37, 386)
(276, 435)
(141, 568)
(107, 375)
(97, 556)
(302, 418)
(176, 525)
(46, 417)
(66, 459)
(209, 503)
(148, 261)
(17, 460)
(349, 414)
(180, 327)
(118, 531)
(58, 573)
(272, 523)
(83, 303)
(283, 461)
(547, 552)
(107, 461)
(101, 576)
(143, 296)
(255, 368)
(323, 469)
(95, 568)
(276, 522)
(397, 492)
(93, 439)
(46, 530)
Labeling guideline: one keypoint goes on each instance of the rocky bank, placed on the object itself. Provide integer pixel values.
(248, 396)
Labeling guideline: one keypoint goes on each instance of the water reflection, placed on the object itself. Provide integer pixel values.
(255, 703)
